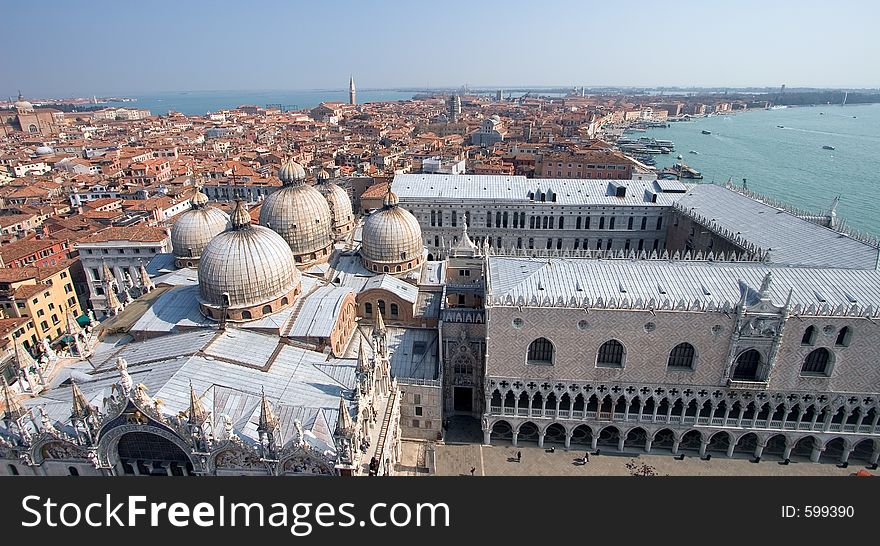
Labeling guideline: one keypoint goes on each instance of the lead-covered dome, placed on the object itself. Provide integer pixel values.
(300, 214)
(246, 272)
(392, 239)
(341, 213)
(194, 229)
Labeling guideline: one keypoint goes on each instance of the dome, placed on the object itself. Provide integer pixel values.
(323, 176)
(247, 272)
(392, 239)
(22, 105)
(300, 214)
(45, 150)
(195, 228)
(341, 214)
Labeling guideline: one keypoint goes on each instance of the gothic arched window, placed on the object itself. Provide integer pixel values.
(682, 356)
(818, 362)
(746, 368)
(541, 352)
(809, 336)
(610, 354)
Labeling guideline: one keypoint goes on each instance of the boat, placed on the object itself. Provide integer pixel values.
(705, 132)
(679, 157)
(692, 152)
(781, 126)
(826, 147)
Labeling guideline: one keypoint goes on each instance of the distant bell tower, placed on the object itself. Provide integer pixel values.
(352, 93)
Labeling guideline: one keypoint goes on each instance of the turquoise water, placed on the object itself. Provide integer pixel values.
(789, 163)
(198, 103)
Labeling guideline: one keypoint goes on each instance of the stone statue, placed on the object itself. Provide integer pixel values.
(92, 321)
(47, 350)
(125, 379)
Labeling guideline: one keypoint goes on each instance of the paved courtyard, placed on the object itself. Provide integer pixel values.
(454, 460)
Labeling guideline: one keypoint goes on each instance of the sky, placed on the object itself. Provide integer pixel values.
(66, 48)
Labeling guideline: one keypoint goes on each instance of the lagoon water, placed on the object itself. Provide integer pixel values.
(198, 103)
(789, 163)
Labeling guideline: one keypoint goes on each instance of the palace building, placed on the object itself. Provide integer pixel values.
(616, 315)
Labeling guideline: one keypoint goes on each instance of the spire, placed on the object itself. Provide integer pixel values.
(363, 362)
(12, 410)
(81, 408)
(146, 281)
(379, 326)
(113, 303)
(765, 285)
(197, 414)
(352, 92)
(344, 425)
(108, 277)
(241, 218)
(832, 212)
(268, 421)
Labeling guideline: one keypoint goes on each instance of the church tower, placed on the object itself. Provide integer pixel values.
(352, 93)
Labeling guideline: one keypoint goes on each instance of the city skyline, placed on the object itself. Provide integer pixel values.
(303, 46)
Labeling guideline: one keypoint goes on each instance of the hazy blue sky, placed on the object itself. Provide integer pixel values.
(65, 48)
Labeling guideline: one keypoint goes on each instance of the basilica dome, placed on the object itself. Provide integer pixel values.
(341, 214)
(247, 272)
(300, 214)
(195, 228)
(392, 239)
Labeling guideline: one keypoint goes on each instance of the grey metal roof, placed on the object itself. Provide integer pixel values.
(441, 187)
(176, 307)
(791, 240)
(414, 353)
(320, 312)
(428, 304)
(227, 367)
(393, 285)
(513, 280)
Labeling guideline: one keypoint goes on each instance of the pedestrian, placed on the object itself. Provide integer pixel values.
(586, 457)
(519, 456)
(473, 469)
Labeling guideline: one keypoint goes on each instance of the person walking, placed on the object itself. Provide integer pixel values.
(519, 456)
(473, 469)
(586, 457)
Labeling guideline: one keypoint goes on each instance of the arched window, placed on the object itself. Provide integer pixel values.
(818, 362)
(394, 310)
(541, 352)
(72, 471)
(809, 336)
(246, 315)
(385, 269)
(284, 300)
(843, 337)
(382, 306)
(610, 354)
(368, 309)
(267, 309)
(747, 364)
(561, 222)
(682, 357)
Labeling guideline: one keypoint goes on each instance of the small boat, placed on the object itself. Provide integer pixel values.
(679, 157)
(781, 126)
(826, 147)
(705, 132)
(821, 113)
(693, 152)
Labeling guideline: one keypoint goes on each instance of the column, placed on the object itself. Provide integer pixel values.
(731, 447)
(515, 434)
(739, 418)
(669, 413)
(726, 414)
(874, 422)
(648, 442)
(703, 445)
(567, 440)
(654, 414)
(487, 436)
(859, 422)
(758, 411)
(847, 451)
(675, 446)
(641, 409)
(556, 409)
(786, 453)
(530, 405)
(827, 423)
(516, 405)
(595, 441)
(626, 412)
(816, 413)
(817, 452)
(621, 441)
(541, 439)
(875, 455)
(759, 450)
(800, 418)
